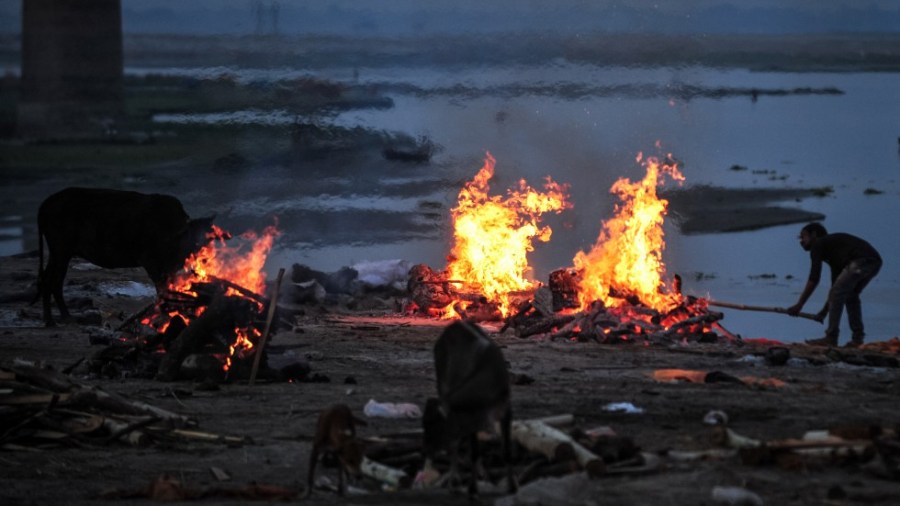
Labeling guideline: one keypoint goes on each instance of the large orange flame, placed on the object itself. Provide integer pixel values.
(493, 235)
(626, 259)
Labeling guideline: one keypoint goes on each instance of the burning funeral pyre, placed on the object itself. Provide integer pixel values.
(212, 317)
(615, 292)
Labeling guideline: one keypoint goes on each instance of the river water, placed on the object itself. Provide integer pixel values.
(584, 125)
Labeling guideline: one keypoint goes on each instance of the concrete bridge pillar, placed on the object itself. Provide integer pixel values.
(72, 68)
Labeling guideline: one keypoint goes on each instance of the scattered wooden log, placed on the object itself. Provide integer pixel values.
(128, 433)
(81, 414)
(556, 445)
(209, 437)
(93, 396)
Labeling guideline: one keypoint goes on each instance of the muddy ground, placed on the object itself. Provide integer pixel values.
(386, 356)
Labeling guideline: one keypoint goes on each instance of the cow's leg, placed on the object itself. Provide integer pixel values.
(505, 430)
(476, 457)
(311, 471)
(44, 292)
(342, 471)
(54, 275)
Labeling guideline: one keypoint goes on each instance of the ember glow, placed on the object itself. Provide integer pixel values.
(240, 265)
(493, 235)
(626, 260)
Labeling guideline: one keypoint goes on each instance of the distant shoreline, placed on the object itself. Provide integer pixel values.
(772, 53)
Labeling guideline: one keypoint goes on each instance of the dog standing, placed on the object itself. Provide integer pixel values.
(336, 435)
(473, 395)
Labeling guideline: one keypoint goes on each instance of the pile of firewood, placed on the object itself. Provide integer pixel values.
(691, 321)
(170, 342)
(42, 408)
(550, 312)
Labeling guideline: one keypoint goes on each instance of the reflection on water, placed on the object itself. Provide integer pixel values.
(12, 235)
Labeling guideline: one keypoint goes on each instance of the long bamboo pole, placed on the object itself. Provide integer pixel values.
(745, 307)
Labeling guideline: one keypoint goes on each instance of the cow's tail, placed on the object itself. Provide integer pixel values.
(40, 275)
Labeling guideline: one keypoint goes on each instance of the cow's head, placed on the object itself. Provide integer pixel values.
(196, 235)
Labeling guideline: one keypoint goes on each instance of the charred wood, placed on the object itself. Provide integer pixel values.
(563, 284)
(544, 325)
(217, 319)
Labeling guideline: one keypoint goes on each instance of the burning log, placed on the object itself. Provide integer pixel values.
(476, 308)
(545, 325)
(701, 319)
(433, 295)
(625, 321)
(216, 320)
(229, 323)
(570, 329)
(563, 283)
(429, 290)
(240, 289)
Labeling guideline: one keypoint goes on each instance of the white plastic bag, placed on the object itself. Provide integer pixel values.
(374, 409)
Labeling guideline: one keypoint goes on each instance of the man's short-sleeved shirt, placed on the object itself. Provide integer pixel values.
(838, 250)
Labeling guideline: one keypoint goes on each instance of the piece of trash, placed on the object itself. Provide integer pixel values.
(426, 477)
(716, 417)
(219, 473)
(391, 410)
(736, 496)
(778, 355)
(622, 407)
(672, 375)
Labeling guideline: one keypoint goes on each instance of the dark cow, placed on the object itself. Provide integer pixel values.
(473, 395)
(113, 228)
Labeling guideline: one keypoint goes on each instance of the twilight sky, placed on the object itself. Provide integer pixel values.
(405, 17)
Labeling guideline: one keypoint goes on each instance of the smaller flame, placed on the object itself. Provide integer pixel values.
(626, 260)
(234, 264)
